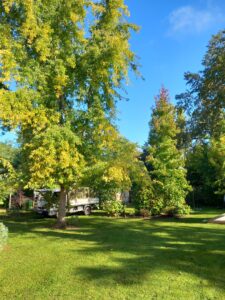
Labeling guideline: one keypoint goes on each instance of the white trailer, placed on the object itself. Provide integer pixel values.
(80, 200)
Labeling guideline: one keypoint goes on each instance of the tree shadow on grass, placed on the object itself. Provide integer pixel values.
(136, 249)
(198, 217)
(178, 250)
(24, 222)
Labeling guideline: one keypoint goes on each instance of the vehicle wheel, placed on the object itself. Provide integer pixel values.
(87, 210)
(44, 214)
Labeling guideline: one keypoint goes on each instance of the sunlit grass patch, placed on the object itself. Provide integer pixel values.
(113, 258)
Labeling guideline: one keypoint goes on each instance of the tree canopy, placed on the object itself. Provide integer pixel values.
(204, 106)
(55, 57)
(204, 100)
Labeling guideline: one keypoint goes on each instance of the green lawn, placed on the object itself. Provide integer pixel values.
(105, 258)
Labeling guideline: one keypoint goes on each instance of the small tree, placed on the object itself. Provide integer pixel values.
(114, 172)
(142, 191)
(9, 179)
(168, 174)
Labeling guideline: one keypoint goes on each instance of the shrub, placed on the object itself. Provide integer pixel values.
(183, 210)
(114, 208)
(141, 194)
(145, 213)
(169, 211)
(106, 194)
(3, 235)
(156, 206)
(176, 210)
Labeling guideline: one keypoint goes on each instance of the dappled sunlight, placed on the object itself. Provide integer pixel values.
(130, 251)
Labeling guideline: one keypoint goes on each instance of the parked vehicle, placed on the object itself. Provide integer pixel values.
(80, 200)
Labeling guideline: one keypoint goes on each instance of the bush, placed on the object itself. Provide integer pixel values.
(141, 195)
(183, 210)
(3, 235)
(176, 210)
(114, 208)
(169, 211)
(145, 213)
(156, 206)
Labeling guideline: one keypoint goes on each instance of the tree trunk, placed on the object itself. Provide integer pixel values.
(61, 221)
(10, 201)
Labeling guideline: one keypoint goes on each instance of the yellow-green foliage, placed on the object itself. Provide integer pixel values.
(16, 109)
(165, 160)
(53, 158)
(53, 56)
(115, 171)
(8, 178)
(55, 45)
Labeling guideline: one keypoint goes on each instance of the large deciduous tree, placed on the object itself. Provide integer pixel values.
(204, 104)
(204, 99)
(55, 56)
(201, 174)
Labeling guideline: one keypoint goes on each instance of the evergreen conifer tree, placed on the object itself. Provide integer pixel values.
(167, 171)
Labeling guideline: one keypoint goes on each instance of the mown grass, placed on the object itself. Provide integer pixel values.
(105, 258)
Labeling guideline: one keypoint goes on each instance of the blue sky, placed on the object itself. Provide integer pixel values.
(173, 39)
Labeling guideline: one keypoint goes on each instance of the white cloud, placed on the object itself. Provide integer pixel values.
(188, 19)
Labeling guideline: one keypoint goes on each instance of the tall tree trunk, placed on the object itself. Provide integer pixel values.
(10, 201)
(61, 221)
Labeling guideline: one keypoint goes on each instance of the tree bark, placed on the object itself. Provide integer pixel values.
(10, 201)
(61, 220)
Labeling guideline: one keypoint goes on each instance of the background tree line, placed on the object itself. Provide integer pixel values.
(185, 151)
(204, 105)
